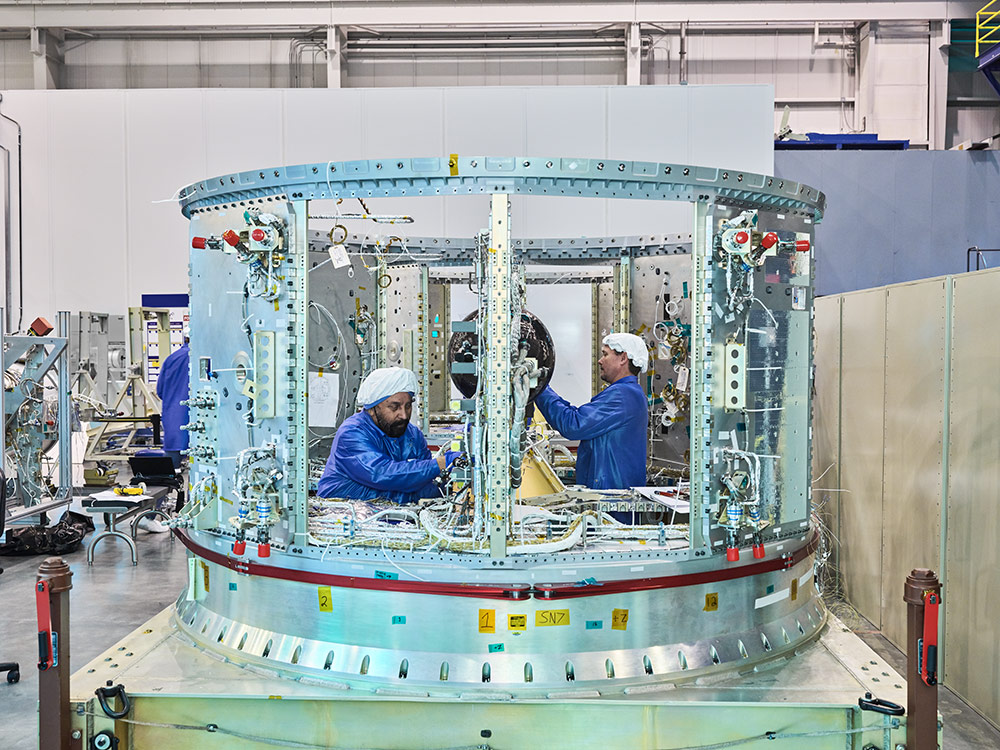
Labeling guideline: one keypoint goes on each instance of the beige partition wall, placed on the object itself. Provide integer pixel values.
(972, 561)
(862, 412)
(910, 410)
(826, 415)
(914, 410)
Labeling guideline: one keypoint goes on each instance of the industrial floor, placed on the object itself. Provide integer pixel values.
(112, 598)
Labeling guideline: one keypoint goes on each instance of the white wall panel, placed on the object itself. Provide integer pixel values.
(566, 122)
(159, 123)
(38, 278)
(86, 206)
(243, 129)
(95, 162)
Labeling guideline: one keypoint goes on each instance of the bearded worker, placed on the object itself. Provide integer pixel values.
(377, 453)
(611, 428)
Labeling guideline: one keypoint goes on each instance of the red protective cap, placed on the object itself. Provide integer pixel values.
(802, 246)
(239, 547)
(733, 554)
(257, 234)
(198, 243)
(231, 237)
(769, 240)
(263, 550)
(758, 551)
(40, 327)
(742, 238)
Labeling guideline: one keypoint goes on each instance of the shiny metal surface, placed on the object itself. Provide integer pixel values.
(269, 591)
(173, 681)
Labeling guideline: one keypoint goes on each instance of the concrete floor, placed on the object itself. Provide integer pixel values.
(112, 598)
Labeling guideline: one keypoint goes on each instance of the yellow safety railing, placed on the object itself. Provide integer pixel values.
(986, 26)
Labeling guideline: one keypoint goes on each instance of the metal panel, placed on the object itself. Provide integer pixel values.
(826, 414)
(914, 393)
(862, 384)
(972, 587)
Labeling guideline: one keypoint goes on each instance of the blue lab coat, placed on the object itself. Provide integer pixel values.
(365, 463)
(173, 386)
(611, 429)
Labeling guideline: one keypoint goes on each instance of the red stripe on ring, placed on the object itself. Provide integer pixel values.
(545, 592)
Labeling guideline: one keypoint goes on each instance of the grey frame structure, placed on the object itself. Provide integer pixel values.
(250, 353)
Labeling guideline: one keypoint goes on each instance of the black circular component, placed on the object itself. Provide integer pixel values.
(464, 347)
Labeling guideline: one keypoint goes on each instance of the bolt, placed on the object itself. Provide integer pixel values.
(77, 734)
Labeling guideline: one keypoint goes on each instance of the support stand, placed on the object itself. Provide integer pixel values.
(922, 594)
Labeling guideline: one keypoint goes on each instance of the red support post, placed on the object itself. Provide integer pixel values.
(922, 594)
(52, 587)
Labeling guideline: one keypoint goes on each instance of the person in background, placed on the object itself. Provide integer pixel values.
(173, 386)
(376, 452)
(611, 427)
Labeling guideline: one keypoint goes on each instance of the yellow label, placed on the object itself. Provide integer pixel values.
(453, 164)
(795, 589)
(517, 622)
(204, 575)
(619, 619)
(711, 602)
(487, 621)
(325, 599)
(319, 374)
(546, 617)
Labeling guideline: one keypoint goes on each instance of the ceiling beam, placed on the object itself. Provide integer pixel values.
(194, 14)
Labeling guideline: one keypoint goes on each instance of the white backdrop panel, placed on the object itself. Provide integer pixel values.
(96, 162)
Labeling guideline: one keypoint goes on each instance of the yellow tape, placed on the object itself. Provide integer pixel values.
(453, 164)
(551, 617)
(487, 621)
(619, 619)
(517, 622)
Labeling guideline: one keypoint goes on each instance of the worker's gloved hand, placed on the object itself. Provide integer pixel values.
(534, 372)
(456, 459)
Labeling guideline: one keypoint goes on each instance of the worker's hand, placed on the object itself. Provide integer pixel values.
(441, 462)
(534, 372)
(456, 459)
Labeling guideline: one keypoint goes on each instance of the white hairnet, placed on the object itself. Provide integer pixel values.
(385, 382)
(630, 345)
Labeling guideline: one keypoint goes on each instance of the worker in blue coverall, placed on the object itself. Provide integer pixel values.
(377, 453)
(173, 386)
(611, 428)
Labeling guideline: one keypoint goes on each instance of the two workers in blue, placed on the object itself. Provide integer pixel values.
(173, 386)
(611, 428)
(376, 452)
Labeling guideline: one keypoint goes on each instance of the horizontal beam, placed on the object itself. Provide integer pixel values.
(196, 14)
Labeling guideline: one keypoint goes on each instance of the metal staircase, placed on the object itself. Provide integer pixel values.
(987, 36)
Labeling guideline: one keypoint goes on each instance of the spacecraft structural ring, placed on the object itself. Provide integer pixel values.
(580, 623)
